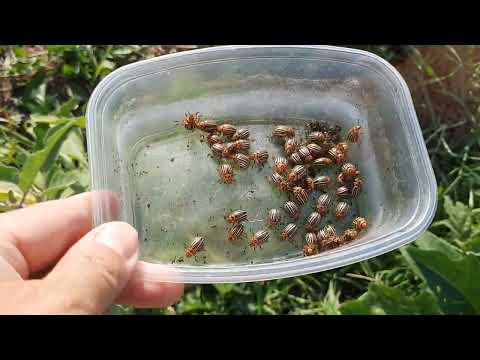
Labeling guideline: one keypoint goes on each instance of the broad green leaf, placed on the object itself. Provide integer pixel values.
(39, 159)
(67, 107)
(47, 119)
(429, 241)
(74, 147)
(384, 300)
(453, 279)
(67, 193)
(104, 68)
(473, 244)
(20, 52)
(7, 187)
(8, 173)
(59, 181)
(122, 51)
(331, 302)
(224, 289)
(459, 218)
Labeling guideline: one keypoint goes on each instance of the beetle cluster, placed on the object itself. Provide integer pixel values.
(229, 144)
(300, 173)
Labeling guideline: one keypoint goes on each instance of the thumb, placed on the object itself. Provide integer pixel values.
(92, 274)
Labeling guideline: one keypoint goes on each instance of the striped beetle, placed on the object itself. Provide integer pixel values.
(342, 210)
(310, 248)
(297, 173)
(237, 216)
(197, 245)
(258, 239)
(227, 130)
(312, 221)
(283, 131)
(292, 210)
(300, 195)
(343, 192)
(289, 231)
(323, 203)
(226, 173)
(354, 134)
(274, 217)
(360, 223)
(235, 232)
(208, 126)
(259, 157)
(357, 187)
(241, 134)
(280, 164)
(241, 160)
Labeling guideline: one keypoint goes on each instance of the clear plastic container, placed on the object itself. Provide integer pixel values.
(168, 185)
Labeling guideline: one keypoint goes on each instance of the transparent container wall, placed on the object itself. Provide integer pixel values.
(257, 87)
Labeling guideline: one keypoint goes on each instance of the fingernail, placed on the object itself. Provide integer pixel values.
(120, 237)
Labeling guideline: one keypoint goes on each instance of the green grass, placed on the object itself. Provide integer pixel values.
(43, 95)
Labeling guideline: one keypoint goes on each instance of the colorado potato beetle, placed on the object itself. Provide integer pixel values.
(190, 120)
(336, 155)
(312, 221)
(278, 181)
(295, 158)
(343, 192)
(342, 210)
(259, 157)
(219, 149)
(341, 179)
(315, 150)
(310, 248)
(292, 210)
(214, 139)
(241, 160)
(349, 171)
(274, 217)
(323, 203)
(360, 224)
(283, 131)
(235, 232)
(237, 216)
(332, 243)
(259, 238)
(304, 152)
(226, 173)
(349, 235)
(316, 137)
(322, 182)
(280, 164)
(289, 231)
(227, 130)
(357, 187)
(300, 195)
(241, 145)
(297, 173)
(354, 134)
(197, 245)
(322, 162)
(343, 147)
(208, 126)
(241, 134)
(291, 145)
(327, 232)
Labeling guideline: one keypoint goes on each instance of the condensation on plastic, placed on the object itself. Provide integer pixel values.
(169, 191)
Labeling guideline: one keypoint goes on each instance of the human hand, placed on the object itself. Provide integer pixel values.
(53, 262)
